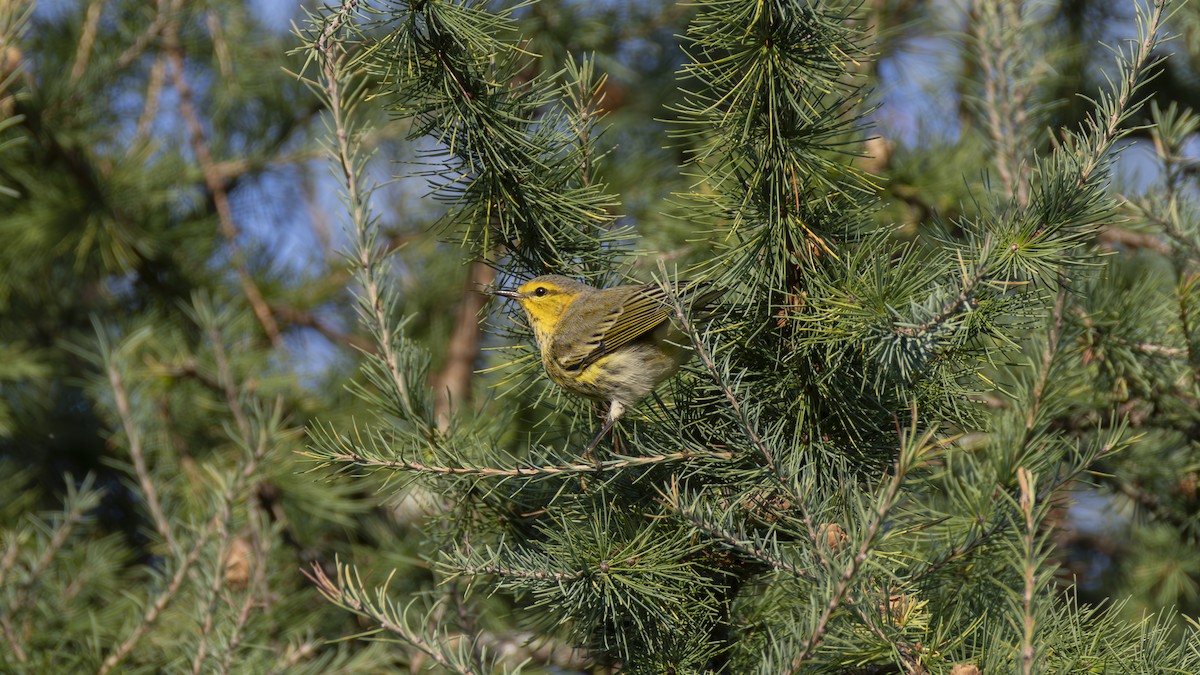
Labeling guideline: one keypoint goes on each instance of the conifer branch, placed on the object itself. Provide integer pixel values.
(497, 570)
(374, 303)
(133, 437)
(1027, 501)
(1004, 97)
(210, 605)
(1183, 301)
(1002, 525)
(1105, 132)
(702, 353)
(750, 548)
(512, 169)
(531, 471)
(10, 557)
(351, 595)
(1048, 354)
(292, 656)
(218, 523)
(910, 453)
(1148, 348)
(685, 324)
(10, 636)
(164, 598)
(960, 303)
(225, 516)
(78, 502)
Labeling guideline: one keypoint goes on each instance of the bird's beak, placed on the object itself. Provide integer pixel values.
(503, 293)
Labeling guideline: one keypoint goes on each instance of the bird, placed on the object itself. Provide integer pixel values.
(609, 344)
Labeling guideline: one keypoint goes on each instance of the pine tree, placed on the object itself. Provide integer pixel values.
(865, 467)
(152, 513)
(943, 421)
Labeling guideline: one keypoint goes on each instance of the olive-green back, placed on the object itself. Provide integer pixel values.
(611, 318)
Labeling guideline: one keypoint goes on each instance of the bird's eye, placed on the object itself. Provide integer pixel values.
(539, 291)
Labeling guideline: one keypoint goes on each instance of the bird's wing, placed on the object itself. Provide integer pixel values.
(634, 316)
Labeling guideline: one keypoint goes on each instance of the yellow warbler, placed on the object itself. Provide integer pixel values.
(612, 344)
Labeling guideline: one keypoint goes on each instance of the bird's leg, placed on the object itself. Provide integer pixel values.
(614, 413)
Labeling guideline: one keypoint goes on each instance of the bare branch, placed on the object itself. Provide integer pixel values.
(91, 25)
(452, 384)
(214, 183)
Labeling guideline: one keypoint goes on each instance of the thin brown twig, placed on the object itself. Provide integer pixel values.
(233, 169)
(154, 86)
(1110, 235)
(1027, 503)
(299, 317)
(152, 32)
(215, 184)
(83, 53)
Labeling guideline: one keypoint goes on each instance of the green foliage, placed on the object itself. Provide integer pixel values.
(824, 488)
(945, 415)
(154, 515)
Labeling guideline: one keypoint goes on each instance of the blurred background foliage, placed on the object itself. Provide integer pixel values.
(175, 307)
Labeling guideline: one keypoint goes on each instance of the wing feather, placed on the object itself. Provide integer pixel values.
(642, 311)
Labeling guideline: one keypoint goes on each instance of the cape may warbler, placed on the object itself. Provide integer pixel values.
(612, 344)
